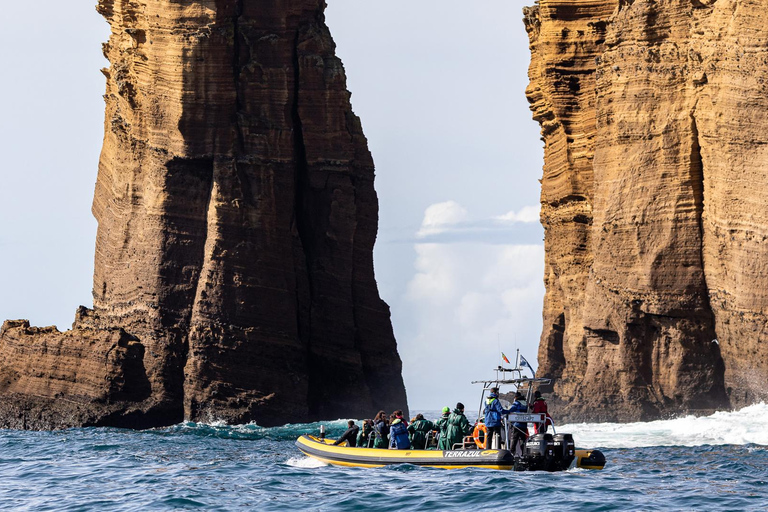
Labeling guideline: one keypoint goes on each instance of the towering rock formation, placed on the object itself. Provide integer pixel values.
(237, 216)
(653, 114)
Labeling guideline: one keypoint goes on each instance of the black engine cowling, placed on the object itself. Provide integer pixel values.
(547, 452)
(564, 452)
(538, 453)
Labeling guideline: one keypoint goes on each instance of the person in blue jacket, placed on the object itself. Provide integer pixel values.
(493, 413)
(398, 434)
(519, 430)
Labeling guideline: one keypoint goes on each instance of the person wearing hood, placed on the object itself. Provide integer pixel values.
(418, 429)
(519, 429)
(493, 413)
(380, 430)
(458, 427)
(442, 425)
(398, 433)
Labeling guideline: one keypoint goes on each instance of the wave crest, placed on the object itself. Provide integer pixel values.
(747, 426)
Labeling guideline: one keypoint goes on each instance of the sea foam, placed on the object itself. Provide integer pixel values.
(742, 427)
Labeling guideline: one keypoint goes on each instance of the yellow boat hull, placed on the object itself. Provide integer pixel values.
(325, 451)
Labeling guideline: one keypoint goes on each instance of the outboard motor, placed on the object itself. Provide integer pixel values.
(539, 452)
(564, 452)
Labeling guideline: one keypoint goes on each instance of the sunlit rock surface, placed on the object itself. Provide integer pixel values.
(653, 115)
(237, 216)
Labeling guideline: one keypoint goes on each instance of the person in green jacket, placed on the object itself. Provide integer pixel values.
(418, 429)
(442, 426)
(381, 430)
(458, 427)
(364, 438)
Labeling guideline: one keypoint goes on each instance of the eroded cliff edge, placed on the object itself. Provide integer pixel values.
(237, 216)
(653, 115)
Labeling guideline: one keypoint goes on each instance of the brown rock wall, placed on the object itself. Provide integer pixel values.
(636, 291)
(729, 42)
(237, 215)
(80, 377)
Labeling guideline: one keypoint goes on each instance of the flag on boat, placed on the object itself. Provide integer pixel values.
(505, 358)
(523, 362)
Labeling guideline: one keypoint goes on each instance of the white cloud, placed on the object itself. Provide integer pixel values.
(441, 216)
(466, 302)
(436, 274)
(526, 214)
(449, 222)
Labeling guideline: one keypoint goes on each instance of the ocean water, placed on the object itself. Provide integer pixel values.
(718, 462)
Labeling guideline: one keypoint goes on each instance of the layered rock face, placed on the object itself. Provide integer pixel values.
(237, 216)
(653, 202)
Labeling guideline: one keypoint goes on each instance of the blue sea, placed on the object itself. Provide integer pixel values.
(718, 462)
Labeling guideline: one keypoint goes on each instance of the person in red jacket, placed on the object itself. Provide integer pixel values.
(539, 406)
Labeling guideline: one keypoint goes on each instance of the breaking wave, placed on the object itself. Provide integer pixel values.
(748, 426)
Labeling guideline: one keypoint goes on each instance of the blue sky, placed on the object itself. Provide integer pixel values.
(439, 86)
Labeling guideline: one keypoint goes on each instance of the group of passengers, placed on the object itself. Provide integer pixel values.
(450, 430)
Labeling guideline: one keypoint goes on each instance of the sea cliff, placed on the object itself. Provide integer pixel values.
(237, 215)
(653, 117)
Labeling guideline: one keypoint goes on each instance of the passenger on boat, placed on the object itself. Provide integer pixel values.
(381, 430)
(398, 434)
(399, 415)
(458, 427)
(364, 438)
(539, 406)
(419, 428)
(350, 436)
(520, 429)
(442, 425)
(493, 413)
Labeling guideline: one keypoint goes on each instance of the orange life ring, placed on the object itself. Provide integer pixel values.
(480, 428)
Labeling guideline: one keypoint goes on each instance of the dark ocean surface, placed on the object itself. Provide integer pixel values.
(714, 463)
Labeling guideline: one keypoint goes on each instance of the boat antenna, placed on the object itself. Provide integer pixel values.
(518, 350)
(501, 355)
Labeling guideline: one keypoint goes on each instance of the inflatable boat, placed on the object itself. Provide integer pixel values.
(542, 451)
(325, 451)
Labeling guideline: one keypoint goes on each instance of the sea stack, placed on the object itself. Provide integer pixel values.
(237, 216)
(654, 116)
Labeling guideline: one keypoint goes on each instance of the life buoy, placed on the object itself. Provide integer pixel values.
(480, 428)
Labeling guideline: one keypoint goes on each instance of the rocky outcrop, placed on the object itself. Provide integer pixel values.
(237, 216)
(653, 194)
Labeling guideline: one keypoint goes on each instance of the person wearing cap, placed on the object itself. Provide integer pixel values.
(442, 425)
(458, 427)
(519, 429)
(493, 413)
(419, 428)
